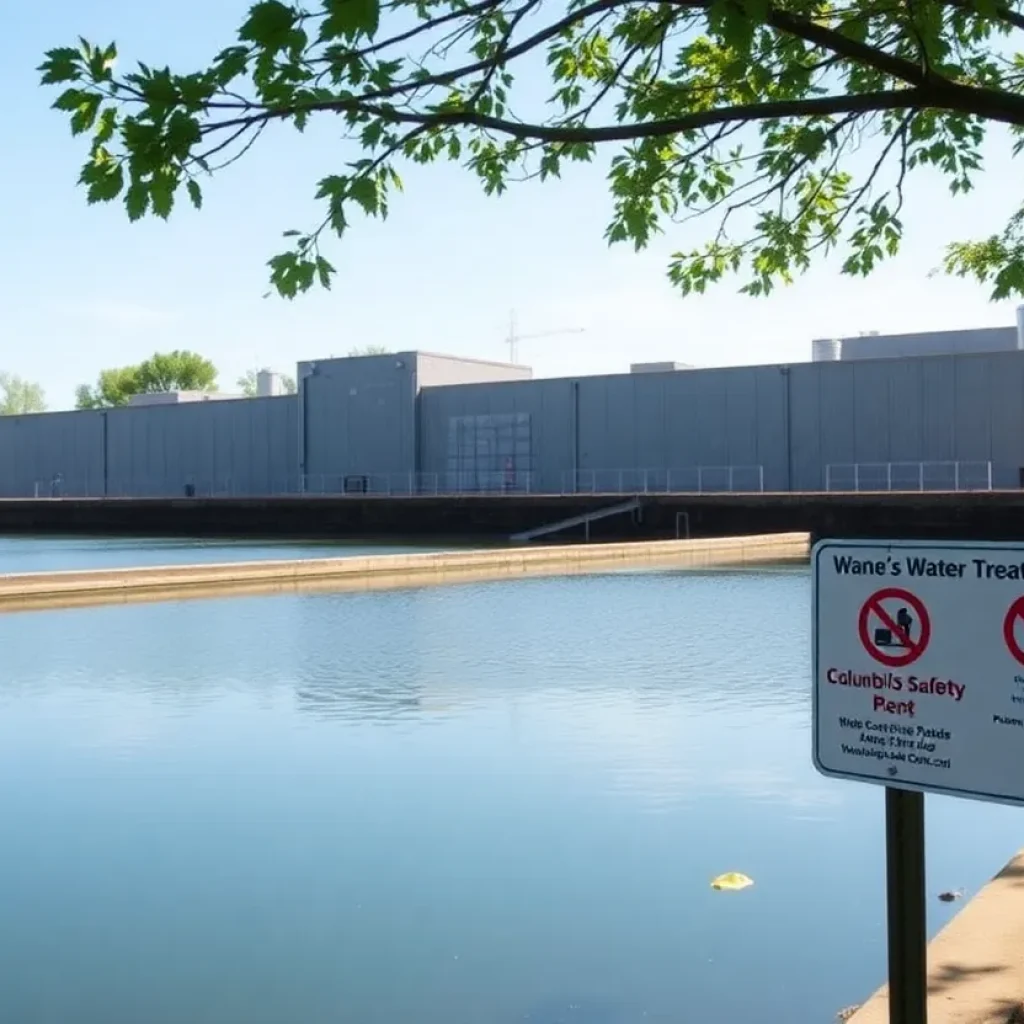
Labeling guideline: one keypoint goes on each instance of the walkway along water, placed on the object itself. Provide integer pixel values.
(63, 589)
(976, 963)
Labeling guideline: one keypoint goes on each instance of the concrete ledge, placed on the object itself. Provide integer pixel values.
(21, 591)
(976, 963)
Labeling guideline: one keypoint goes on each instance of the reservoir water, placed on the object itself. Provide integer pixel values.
(477, 804)
(24, 554)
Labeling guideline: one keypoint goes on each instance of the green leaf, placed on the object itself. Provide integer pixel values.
(181, 133)
(63, 64)
(136, 200)
(101, 62)
(107, 124)
(103, 178)
(161, 194)
(268, 24)
(230, 63)
(324, 271)
(366, 192)
(70, 100)
(195, 193)
(334, 188)
(348, 19)
(84, 116)
(291, 274)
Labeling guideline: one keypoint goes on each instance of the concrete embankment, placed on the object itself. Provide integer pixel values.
(976, 963)
(112, 586)
(925, 515)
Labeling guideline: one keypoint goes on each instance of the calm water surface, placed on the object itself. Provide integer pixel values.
(26, 554)
(479, 804)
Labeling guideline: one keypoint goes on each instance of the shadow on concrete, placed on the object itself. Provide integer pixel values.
(1012, 872)
(954, 974)
(998, 1010)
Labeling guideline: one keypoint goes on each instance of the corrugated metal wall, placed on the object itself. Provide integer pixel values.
(792, 421)
(360, 419)
(241, 446)
(362, 416)
(35, 449)
(716, 421)
(967, 409)
(228, 447)
(608, 433)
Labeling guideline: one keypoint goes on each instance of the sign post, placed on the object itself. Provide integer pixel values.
(905, 906)
(918, 687)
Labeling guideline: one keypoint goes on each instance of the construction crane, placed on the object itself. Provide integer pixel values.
(514, 337)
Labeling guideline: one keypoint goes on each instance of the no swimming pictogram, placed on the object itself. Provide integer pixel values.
(894, 627)
(1014, 618)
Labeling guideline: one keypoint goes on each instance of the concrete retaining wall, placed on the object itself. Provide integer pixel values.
(106, 586)
(976, 963)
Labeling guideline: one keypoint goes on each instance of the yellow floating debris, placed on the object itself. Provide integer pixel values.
(732, 880)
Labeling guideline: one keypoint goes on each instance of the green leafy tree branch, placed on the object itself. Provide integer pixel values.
(795, 123)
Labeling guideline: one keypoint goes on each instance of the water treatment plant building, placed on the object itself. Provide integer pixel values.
(940, 411)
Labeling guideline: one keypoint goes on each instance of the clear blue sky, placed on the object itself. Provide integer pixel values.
(81, 289)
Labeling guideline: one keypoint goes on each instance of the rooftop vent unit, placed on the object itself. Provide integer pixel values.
(658, 367)
(826, 350)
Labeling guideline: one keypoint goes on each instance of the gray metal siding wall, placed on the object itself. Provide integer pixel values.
(967, 409)
(547, 402)
(35, 448)
(243, 447)
(657, 422)
(1005, 409)
(931, 343)
(679, 422)
(360, 420)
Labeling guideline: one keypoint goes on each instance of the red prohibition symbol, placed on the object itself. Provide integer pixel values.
(1015, 613)
(897, 640)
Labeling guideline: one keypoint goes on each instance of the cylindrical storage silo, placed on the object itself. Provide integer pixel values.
(1020, 327)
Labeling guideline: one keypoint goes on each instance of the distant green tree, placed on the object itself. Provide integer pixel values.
(179, 370)
(247, 383)
(370, 350)
(20, 396)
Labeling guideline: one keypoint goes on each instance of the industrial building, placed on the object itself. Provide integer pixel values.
(940, 411)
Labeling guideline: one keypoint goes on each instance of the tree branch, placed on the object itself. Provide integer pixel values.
(937, 96)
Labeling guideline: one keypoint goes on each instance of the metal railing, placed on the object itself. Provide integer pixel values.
(312, 484)
(909, 476)
(143, 487)
(693, 479)
(412, 484)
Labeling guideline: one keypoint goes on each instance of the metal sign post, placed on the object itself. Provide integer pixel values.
(918, 687)
(905, 906)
